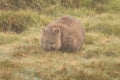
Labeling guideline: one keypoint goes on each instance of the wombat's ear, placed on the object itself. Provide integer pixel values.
(56, 30)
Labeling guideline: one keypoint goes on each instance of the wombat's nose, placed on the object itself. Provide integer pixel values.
(52, 47)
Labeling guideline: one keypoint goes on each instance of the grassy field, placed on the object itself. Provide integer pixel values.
(22, 58)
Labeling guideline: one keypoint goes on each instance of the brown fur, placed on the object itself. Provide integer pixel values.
(66, 34)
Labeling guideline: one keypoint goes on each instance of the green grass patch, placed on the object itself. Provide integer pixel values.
(108, 24)
(8, 38)
(17, 21)
(22, 58)
(46, 6)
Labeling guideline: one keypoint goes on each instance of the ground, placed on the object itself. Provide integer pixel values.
(22, 58)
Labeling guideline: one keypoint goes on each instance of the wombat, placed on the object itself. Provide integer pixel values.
(64, 34)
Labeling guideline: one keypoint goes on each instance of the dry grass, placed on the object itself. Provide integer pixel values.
(22, 58)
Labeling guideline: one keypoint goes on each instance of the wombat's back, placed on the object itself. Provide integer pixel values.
(73, 33)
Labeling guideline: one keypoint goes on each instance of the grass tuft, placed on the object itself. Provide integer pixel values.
(22, 58)
(16, 21)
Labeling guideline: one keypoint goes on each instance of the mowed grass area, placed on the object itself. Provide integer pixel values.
(22, 58)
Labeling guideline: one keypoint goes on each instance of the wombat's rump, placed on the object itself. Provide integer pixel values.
(65, 34)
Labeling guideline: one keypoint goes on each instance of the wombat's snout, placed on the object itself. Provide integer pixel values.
(50, 46)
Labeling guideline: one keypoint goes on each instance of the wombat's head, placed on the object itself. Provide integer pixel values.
(51, 39)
